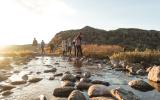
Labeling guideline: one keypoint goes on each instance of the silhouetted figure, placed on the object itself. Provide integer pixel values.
(69, 46)
(74, 47)
(51, 45)
(78, 46)
(35, 44)
(42, 47)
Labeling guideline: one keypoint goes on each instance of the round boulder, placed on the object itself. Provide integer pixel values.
(83, 85)
(76, 95)
(68, 77)
(140, 85)
(63, 91)
(98, 90)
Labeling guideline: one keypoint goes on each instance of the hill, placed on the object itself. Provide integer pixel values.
(129, 38)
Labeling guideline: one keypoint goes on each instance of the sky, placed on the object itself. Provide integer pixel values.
(22, 20)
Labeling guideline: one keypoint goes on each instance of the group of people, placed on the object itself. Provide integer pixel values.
(68, 44)
(42, 45)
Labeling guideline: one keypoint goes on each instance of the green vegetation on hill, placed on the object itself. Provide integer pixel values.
(130, 38)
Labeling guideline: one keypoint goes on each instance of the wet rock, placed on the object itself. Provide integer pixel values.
(83, 85)
(100, 82)
(50, 70)
(63, 92)
(18, 82)
(76, 95)
(98, 90)
(59, 74)
(133, 68)
(78, 76)
(3, 76)
(67, 72)
(120, 69)
(38, 72)
(51, 78)
(141, 72)
(115, 64)
(86, 74)
(5, 87)
(6, 93)
(102, 98)
(34, 79)
(68, 77)
(16, 71)
(68, 83)
(87, 80)
(24, 77)
(122, 94)
(140, 85)
(148, 69)
(42, 97)
(154, 74)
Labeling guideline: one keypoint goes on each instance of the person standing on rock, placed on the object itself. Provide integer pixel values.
(78, 46)
(35, 44)
(42, 47)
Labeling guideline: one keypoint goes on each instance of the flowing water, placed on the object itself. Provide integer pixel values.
(38, 65)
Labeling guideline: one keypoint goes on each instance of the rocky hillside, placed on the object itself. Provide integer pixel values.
(130, 38)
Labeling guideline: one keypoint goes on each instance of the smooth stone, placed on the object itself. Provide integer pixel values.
(18, 82)
(68, 83)
(83, 85)
(6, 93)
(122, 94)
(100, 82)
(102, 98)
(98, 90)
(63, 91)
(34, 79)
(68, 77)
(140, 85)
(50, 70)
(51, 78)
(76, 95)
(5, 87)
(59, 74)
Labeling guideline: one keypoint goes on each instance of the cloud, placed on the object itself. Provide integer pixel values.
(47, 6)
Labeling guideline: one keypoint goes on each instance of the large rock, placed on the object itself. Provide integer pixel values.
(34, 79)
(122, 94)
(154, 74)
(140, 85)
(83, 85)
(68, 77)
(76, 95)
(5, 87)
(102, 98)
(100, 82)
(50, 70)
(63, 92)
(18, 82)
(68, 83)
(98, 90)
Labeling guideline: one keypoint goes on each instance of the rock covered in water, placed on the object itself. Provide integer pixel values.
(100, 82)
(133, 68)
(68, 83)
(68, 77)
(141, 72)
(122, 94)
(154, 74)
(140, 85)
(76, 95)
(63, 91)
(98, 90)
(34, 79)
(50, 70)
(83, 85)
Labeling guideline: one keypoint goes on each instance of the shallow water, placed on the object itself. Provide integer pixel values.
(46, 87)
